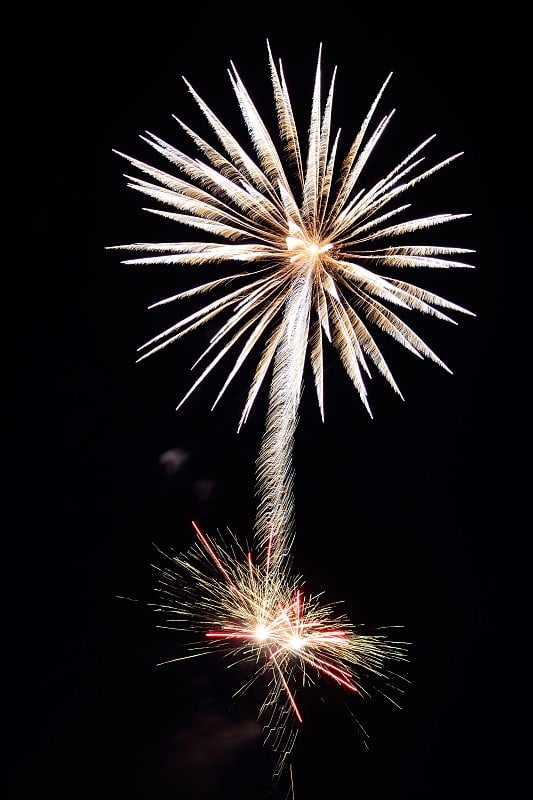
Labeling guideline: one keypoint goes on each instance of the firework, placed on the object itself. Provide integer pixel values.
(313, 239)
(310, 239)
(320, 258)
(258, 613)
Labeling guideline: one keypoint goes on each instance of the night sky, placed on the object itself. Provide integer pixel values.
(404, 517)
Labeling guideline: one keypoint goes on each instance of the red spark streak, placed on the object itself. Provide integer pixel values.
(205, 541)
(289, 693)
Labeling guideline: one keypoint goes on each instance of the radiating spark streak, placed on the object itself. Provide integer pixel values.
(205, 541)
(290, 695)
(257, 613)
(292, 782)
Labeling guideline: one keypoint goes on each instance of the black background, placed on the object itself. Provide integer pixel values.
(406, 517)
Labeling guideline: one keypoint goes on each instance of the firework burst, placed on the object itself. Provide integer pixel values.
(257, 613)
(311, 243)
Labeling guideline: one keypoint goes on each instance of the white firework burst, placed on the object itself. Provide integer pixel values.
(311, 240)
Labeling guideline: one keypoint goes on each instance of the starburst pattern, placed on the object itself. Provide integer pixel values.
(258, 613)
(311, 238)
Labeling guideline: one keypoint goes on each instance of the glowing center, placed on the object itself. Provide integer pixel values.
(295, 642)
(303, 248)
(261, 633)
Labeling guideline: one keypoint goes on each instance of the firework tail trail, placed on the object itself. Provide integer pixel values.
(274, 524)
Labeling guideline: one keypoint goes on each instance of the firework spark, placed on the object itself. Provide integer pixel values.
(309, 237)
(258, 613)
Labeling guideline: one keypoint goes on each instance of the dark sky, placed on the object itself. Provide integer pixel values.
(403, 517)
